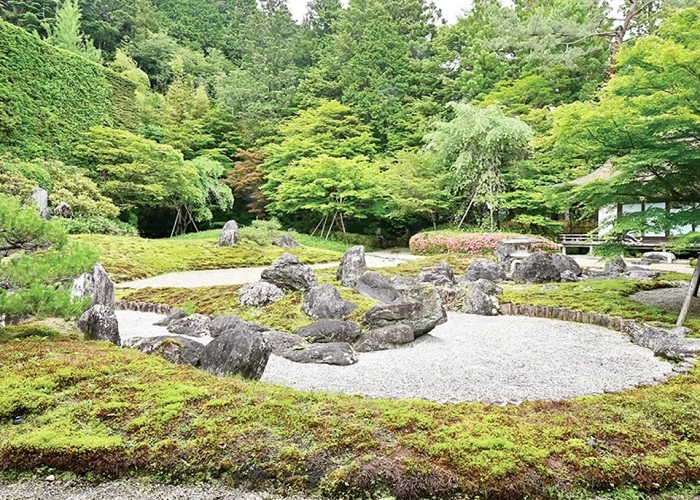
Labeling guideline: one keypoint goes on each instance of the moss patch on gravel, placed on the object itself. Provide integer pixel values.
(127, 258)
(606, 296)
(93, 407)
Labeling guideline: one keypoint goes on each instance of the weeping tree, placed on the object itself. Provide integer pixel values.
(475, 147)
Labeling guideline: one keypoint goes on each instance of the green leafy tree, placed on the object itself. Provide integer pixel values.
(66, 34)
(475, 146)
(245, 180)
(418, 187)
(334, 190)
(644, 123)
(37, 277)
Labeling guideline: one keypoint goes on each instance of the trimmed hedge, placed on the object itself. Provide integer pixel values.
(49, 96)
(436, 242)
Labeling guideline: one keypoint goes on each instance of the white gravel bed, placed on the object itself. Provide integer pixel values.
(126, 490)
(134, 324)
(496, 360)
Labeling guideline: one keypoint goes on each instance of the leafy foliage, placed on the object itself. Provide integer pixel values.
(66, 33)
(438, 242)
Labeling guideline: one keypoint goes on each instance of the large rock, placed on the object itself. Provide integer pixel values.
(615, 267)
(659, 256)
(41, 198)
(669, 342)
(174, 315)
(483, 285)
(388, 337)
(326, 330)
(280, 341)
(637, 273)
(565, 263)
(422, 310)
(238, 352)
(63, 210)
(440, 274)
(478, 302)
(324, 302)
(259, 294)
(485, 269)
(229, 234)
(285, 241)
(100, 323)
(335, 353)
(97, 285)
(174, 348)
(289, 273)
(568, 276)
(377, 287)
(194, 325)
(223, 324)
(352, 266)
(537, 268)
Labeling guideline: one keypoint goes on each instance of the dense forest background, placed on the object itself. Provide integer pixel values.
(375, 118)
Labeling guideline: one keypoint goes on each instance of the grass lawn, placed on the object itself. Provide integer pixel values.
(127, 258)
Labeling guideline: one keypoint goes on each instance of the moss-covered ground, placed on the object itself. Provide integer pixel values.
(127, 258)
(92, 408)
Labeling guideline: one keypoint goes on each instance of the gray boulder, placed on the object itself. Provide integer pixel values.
(440, 274)
(259, 294)
(280, 341)
(100, 323)
(222, 324)
(422, 310)
(615, 267)
(289, 273)
(239, 352)
(63, 210)
(324, 302)
(659, 256)
(537, 268)
(377, 287)
(352, 266)
(636, 273)
(485, 269)
(483, 285)
(97, 285)
(41, 198)
(565, 263)
(327, 330)
(669, 342)
(194, 325)
(388, 337)
(568, 276)
(335, 353)
(229, 234)
(285, 241)
(173, 348)
(173, 316)
(478, 302)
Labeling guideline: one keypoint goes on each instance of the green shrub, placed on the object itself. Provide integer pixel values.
(369, 242)
(261, 232)
(436, 242)
(96, 224)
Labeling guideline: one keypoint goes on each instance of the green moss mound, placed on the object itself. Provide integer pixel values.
(49, 96)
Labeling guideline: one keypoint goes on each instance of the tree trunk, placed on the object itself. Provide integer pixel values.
(692, 292)
(620, 36)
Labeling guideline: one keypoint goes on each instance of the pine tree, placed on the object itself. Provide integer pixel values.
(66, 33)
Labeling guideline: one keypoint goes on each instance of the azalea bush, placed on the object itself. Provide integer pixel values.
(435, 242)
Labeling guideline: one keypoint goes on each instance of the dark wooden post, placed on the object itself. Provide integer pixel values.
(692, 292)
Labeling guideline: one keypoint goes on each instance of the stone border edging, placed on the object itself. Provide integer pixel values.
(148, 307)
(597, 319)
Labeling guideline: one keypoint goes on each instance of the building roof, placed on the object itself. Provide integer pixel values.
(603, 173)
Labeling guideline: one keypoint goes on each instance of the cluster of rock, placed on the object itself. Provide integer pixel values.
(99, 322)
(229, 237)
(41, 199)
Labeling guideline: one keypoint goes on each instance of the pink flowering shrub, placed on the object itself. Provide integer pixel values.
(436, 242)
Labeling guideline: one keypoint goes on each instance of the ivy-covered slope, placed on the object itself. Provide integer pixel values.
(49, 96)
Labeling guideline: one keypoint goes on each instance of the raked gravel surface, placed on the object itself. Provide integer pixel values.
(495, 360)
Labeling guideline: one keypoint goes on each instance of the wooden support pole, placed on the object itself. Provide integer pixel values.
(692, 291)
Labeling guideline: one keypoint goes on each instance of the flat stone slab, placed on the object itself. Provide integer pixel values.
(495, 360)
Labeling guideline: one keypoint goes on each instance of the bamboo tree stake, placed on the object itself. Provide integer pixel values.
(692, 292)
